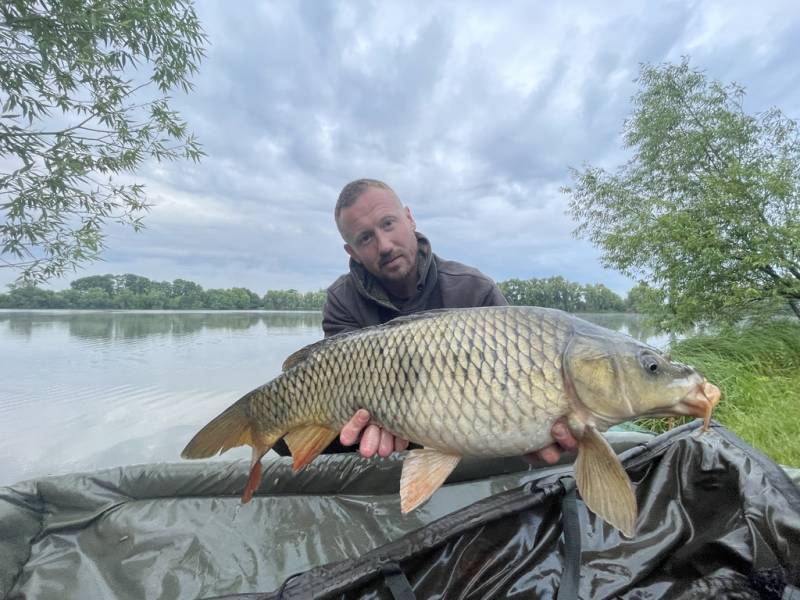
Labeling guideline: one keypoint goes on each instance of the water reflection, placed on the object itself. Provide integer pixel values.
(142, 324)
(125, 325)
(634, 325)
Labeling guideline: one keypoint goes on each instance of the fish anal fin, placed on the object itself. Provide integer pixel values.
(603, 483)
(424, 472)
(306, 442)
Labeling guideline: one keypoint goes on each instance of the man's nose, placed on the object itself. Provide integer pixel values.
(384, 243)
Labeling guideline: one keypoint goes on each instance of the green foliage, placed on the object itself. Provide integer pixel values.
(707, 209)
(294, 300)
(557, 292)
(133, 292)
(757, 367)
(83, 87)
(641, 298)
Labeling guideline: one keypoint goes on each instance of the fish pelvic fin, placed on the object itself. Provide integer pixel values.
(424, 472)
(306, 442)
(603, 483)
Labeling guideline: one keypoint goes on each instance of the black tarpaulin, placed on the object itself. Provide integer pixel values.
(713, 513)
(716, 519)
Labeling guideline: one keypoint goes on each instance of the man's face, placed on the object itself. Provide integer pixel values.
(379, 233)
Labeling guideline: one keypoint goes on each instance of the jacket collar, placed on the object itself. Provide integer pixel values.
(371, 288)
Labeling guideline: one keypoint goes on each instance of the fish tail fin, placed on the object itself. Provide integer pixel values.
(230, 429)
(234, 427)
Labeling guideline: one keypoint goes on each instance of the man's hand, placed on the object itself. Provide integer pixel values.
(564, 441)
(374, 440)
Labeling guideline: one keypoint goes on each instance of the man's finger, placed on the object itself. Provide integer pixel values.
(369, 441)
(549, 454)
(353, 428)
(386, 445)
(563, 436)
(400, 444)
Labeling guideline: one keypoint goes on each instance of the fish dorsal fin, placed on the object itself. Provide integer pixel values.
(295, 358)
(424, 472)
(299, 356)
(419, 316)
(603, 483)
(305, 443)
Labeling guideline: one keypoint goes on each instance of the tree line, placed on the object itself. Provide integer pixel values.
(557, 292)
(134, 292)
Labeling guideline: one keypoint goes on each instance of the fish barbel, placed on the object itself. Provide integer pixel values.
(468, 382)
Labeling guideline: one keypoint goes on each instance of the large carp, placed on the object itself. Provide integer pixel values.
(467, 382)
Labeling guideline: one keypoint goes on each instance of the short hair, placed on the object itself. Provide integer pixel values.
(353, 191)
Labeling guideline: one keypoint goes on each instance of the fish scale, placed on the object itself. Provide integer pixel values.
(448, 405)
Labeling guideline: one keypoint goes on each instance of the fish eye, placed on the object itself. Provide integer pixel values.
(650, 363)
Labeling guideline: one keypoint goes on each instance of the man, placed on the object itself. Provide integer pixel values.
(394, 272)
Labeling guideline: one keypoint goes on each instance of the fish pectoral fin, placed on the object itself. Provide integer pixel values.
(424, 472)
(306, 442)
(603, 483)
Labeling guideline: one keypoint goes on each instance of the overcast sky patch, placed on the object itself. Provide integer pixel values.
(473, 114)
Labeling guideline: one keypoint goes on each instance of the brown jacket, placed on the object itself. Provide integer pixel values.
(357, 299)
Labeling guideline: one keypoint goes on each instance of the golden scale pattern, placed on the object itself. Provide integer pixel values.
(462, 368)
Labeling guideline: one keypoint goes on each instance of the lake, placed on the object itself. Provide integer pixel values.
(84, 390)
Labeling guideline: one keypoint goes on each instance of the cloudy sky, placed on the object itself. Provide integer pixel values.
(472, 111)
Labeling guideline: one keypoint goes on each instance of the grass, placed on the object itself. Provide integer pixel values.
(757, 367)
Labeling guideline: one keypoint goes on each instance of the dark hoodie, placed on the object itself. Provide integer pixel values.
(358, 299)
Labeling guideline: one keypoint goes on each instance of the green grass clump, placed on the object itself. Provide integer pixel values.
(757, 367)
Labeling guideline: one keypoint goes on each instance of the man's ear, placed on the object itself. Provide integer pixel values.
(411, 218)
(349, 249)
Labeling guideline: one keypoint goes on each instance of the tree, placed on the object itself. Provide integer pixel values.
(102, 282)
(186, 294)
(29, 296)
(598, 298)
(641, 297)
(83, 87)
(707, 210)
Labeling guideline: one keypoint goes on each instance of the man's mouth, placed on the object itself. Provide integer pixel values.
(385, 263)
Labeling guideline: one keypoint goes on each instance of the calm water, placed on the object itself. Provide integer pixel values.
(83, 390)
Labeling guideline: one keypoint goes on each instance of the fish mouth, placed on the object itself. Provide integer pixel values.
(700, 402)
